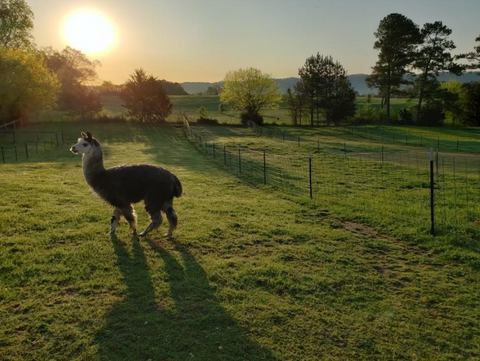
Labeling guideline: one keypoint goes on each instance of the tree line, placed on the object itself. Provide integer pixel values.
(33, 79)
(409, 61)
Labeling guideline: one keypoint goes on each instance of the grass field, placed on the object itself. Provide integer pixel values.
(251, 274)
(190, 104)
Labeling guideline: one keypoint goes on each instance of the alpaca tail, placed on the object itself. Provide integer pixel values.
(177, 186)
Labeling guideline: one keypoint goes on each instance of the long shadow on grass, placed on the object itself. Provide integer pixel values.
(197, 327)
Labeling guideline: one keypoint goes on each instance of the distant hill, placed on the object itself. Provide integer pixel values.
(357, 80)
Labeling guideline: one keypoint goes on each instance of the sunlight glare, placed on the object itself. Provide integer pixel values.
(89, 32)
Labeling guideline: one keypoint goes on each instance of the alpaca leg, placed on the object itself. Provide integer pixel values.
(115, 220)
(156, 222)
(131, 217)
(172, 219)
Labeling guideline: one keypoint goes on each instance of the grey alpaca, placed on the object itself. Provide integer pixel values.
(124, 185)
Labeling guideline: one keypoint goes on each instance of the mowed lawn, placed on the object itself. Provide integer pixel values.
(249, 275)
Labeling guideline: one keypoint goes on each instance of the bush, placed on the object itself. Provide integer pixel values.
(367, 115)
(256, 118)
(432, 114)
(404, 117)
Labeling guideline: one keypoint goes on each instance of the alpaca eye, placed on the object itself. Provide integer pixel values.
(85, 144)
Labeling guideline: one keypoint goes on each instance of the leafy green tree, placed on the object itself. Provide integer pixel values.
(84, 102)
(295, 103)
(108, 88)
(432, 57)
(26, 85)
(145, 99)
(16, 24)
(213, 90)
(368, 113)
(172, 88)
(397, 38)
(74, 71)
(250, 91)
(471, 103)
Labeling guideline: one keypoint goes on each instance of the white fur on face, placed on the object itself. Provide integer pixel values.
(81, 147)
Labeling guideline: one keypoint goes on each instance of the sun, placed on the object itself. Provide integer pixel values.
(89, 32)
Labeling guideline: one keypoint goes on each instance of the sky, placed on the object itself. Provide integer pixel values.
(201, 40)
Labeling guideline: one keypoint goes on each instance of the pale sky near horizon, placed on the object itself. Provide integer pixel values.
(201, 40)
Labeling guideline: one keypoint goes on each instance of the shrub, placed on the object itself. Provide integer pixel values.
(405, 117)
(432, 114)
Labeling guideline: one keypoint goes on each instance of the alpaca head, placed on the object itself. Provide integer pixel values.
(85, 145)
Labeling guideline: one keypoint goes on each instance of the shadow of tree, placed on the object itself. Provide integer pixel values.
(197, 327)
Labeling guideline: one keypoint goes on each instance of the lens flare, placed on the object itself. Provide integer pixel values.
(89, 32)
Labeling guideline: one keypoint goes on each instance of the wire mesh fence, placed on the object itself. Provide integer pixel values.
(396, 190)
(20, 144)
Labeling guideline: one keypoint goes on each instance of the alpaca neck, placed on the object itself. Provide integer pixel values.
(93, 166)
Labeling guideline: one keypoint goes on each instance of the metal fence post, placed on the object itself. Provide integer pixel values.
(310, 174)
(432, 203)
(264, 167)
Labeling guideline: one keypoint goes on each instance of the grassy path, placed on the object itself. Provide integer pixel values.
(249, 275)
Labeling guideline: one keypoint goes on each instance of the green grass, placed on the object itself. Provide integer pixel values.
(392, 195)
(190, 104)
(250, 275)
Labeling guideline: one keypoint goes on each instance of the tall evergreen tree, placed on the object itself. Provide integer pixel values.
(145, 99)
(309, 78)
(397, 39)
(433, 57)
(326, 86)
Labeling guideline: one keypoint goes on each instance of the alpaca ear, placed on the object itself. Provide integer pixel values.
(89, 135)
(84, 135)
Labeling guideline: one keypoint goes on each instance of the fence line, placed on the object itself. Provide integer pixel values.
(397, 190)
(17, 145)
(382, 136)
